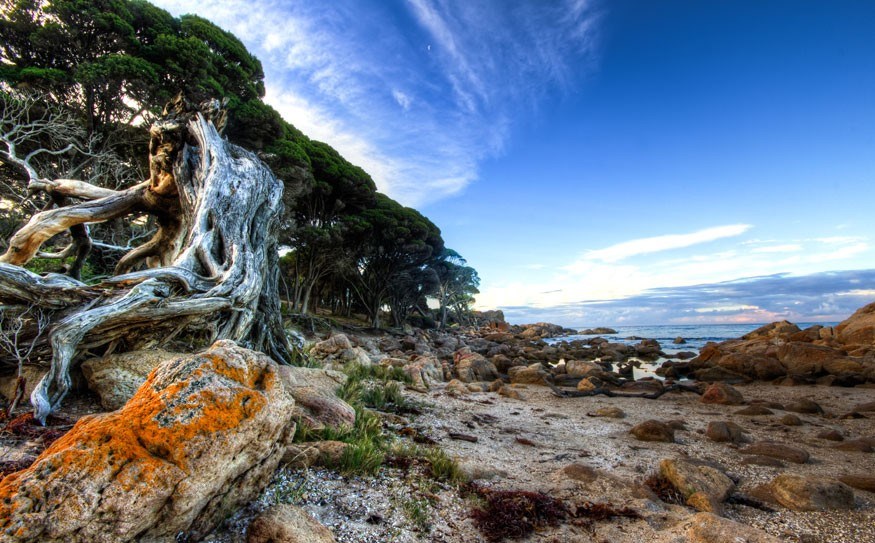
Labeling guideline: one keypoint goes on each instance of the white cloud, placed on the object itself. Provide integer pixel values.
(786, 248)
(657, 244)
(403, 100)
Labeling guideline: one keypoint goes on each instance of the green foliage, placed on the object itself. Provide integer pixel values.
(443, 467)
(417, 511)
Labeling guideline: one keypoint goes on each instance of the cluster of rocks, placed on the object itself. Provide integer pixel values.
(843, 355)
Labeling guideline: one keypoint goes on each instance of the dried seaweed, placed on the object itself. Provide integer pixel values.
(664, 489)
(27, 426)
(588, 513)
(515, 514)
(11, 466)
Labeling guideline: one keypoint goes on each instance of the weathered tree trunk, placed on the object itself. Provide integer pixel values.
(211, 269)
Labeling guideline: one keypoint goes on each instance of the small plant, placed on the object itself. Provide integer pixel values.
(444, 468)
(363, 456)
(666, 491)
(360, 372)
(417, 512)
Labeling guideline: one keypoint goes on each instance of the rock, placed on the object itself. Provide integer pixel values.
(647, 385)
(512, 393)
(724, 431)
(456, 388)
(200, 438)
(325, 380)
(691, 477)
(777, 450)
(608, 412)
(807, 359)
(601, 330)
(855, 445)
(790, 420)
(679, 341)
(116, 377)
(754, 411)
(314, 453)
(582, 368)
(711, 374)
(32, 376)
(807, 493)
(831, 435)
(332, 345)
(868, 407)
(425, 372)
(577, 472)
(804, 406)
(653, 430)
(528, 375)
(773, 330)
(472, 367)
(859, 328)
(722, 394)
(860, 482)
(709, 528)
(317, 409)
(285, 523)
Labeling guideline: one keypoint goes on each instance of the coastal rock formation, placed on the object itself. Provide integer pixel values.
(806, 493)
(842, 356)
(201, 437)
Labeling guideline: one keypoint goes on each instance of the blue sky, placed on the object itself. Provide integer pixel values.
(622, 162)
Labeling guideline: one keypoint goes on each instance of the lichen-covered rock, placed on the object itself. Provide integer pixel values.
(115, 378)
(285, 523)
(202, 436)
(456, 388)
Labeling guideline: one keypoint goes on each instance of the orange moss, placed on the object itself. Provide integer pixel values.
(148, 440)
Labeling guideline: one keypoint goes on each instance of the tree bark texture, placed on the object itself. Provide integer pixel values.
(211, 268)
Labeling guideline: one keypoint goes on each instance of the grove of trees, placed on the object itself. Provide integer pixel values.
(80, 82)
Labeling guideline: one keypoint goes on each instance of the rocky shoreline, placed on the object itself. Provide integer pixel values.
(767, 438)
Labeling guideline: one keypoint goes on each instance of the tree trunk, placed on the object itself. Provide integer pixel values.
(212, 267)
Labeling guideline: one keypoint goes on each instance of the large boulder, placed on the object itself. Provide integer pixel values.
(533, 374)
(332, 345)
(708, 528)
(115, 378)
(201, 437)
(471, 367)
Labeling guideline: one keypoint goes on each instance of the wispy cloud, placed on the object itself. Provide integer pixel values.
(420, 103)
(657, 244)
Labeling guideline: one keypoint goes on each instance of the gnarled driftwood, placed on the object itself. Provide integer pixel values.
(211, 267)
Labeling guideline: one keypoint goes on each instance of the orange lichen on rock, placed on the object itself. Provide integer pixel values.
(196, 429)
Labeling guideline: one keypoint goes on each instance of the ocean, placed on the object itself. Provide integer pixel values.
(696, 335)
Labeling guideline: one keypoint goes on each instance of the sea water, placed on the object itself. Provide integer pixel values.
(695, 337)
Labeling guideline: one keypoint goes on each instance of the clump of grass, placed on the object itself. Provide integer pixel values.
(442, 467)
(416, 510)
(363, 456)
(516, 513)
